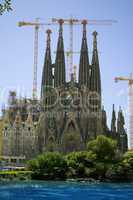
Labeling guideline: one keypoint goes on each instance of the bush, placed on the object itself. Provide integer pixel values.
(80, 164)
(128, 159)
(99, 162)
(123, 170)
(49, 165)
(104, 148)
(15, 175)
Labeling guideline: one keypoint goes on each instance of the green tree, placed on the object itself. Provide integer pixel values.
(5, 6)
(123, 170)
(80, 164)
(50, 165)
(127, 161)
(105, 148)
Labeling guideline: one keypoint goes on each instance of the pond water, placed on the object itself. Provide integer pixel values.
(65, 191)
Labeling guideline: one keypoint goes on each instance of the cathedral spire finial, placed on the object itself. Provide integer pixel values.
(48, 37)
(48, 32)
(113, 107)
(94, 40)
(84, 22)
(61, 21)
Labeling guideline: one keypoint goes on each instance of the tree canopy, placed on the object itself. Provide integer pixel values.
(5, 6)
(104, 147)
(99, 162)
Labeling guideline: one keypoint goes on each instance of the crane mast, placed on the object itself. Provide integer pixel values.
(130, 108)
(36, 26)
(34, 89)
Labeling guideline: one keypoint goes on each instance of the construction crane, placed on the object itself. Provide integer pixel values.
(69, 54)
(130, 108)
(36, 26)
(71, 22)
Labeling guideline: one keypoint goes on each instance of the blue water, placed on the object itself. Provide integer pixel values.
(65, 191)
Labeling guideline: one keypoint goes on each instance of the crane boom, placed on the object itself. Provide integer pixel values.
(24, 23)
(36, 26)
(122, 79)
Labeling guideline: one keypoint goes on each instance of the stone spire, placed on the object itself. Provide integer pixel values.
(16, 142)
(29, 119)
(122, 136)
(104, 121)
(113, 121)
(95, 79)
(47, 77)
(84, 59)
(6, 117)
(120, 122)
(18, 120)
(59, 73)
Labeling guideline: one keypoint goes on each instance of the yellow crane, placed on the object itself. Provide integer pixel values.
(36, 26)
(68, 54)
(74, 71)
(130, 107)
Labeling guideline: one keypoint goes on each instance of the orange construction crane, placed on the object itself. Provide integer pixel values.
(130, 108)
(71, 22)
(36, 25)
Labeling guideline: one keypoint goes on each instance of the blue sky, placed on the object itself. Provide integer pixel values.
(115, 44)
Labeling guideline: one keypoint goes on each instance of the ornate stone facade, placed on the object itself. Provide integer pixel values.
(69, 114)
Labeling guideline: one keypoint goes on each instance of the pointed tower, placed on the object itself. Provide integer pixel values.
(6, 118)
(16, 138)
(29, 119)
(84, 59)
(59, 73)
(95, 80)
(104, 121)
(18, 120)
(47, 77)
(120, 122)
(113, 121)
(122, 135)
(5, 134)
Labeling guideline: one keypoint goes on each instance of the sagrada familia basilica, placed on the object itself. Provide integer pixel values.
(68, 114)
